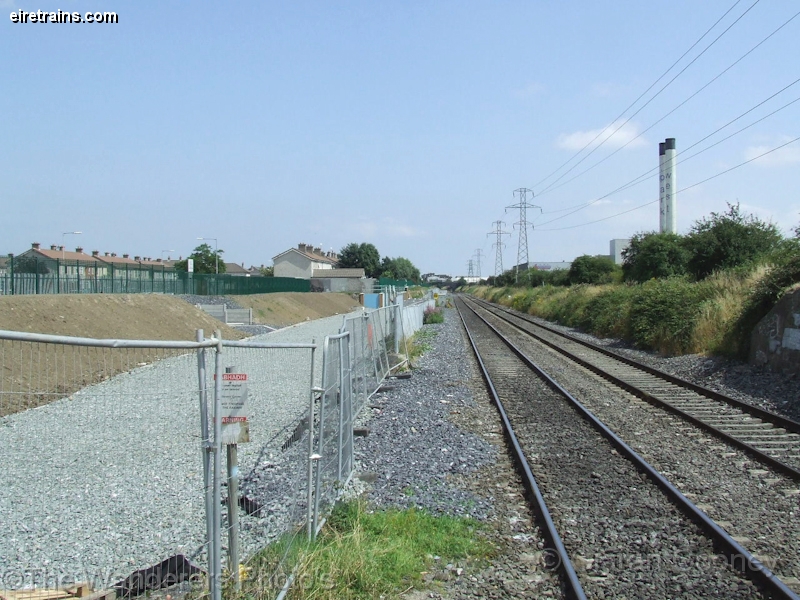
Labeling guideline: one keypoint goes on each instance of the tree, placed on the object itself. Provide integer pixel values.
(267, 271)
(399, 268)
(361, 256)
(727, 240)
(30, 264)
(654, 255)
(592, 269)
(205, 260)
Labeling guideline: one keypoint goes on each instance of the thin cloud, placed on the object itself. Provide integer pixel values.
(579, 139)
(790, 155)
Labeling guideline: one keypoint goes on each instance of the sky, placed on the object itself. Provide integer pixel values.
(407, 125)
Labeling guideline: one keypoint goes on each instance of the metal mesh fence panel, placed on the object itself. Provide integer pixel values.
(335, 430)
(100, 471)
(271, 470)
(363, 375)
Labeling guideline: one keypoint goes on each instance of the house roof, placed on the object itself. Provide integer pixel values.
(232, 268)
(309, 255)
(337, 273)
(60, 255)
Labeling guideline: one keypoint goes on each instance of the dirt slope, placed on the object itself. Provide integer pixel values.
(288, 308)
(124, 316)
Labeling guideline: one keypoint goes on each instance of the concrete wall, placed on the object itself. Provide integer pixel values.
(342, 284)
(776, 339)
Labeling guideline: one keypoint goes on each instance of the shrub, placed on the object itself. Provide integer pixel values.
(592, 269)
(432, 315)
(728, 240)
(654, 256)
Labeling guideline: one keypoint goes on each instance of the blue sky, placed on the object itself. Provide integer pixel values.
(403, 124)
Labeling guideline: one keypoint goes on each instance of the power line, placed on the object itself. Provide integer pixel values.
(641, 178)
(658, 93)
(550, 188)
(679, 191)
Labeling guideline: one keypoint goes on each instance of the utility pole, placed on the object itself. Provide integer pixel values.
(522, 249)
(469, 267)
(498, 260)
(478, 253)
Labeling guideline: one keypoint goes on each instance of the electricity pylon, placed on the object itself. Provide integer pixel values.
(498, 260)
(478, 253)
(469, 267)
(522, 249)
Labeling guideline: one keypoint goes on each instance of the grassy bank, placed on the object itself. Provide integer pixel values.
(672, 316)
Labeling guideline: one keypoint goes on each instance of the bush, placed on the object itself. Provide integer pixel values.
(432, 315)
(664, 312)
(592, 269)
(654, 256)
(728, 240)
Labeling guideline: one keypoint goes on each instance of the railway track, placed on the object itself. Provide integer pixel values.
(772, 439)
(617, 528)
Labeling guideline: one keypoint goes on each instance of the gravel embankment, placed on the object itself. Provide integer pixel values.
(109, 480)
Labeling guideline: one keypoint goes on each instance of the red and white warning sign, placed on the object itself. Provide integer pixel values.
(235, 428)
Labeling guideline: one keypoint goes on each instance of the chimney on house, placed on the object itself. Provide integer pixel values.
(113, 254)
(35, 245)
(61, 248)
(137, 258)
(107, 254)
(126, 256)
(301, 247)
(78, 249)
(317, 250)
(53, 247)
(95, 252)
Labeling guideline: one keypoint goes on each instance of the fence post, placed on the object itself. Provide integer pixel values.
(311, 456)
(206, 448)
(215, 569)
(11, 270)
(232, 452)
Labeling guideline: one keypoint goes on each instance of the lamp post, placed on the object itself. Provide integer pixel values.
(63, 243)
(216, 253)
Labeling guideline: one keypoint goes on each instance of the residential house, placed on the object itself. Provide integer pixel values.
(301, 262)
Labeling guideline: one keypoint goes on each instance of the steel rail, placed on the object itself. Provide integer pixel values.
(567, 570)
(737, 556)
(760, 455)
(756, 411)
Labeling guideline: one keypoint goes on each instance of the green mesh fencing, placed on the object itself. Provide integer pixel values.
(34, 275)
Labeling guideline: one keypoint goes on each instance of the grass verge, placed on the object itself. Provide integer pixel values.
(364, 553)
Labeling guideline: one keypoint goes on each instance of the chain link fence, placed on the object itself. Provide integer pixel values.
(134, 464)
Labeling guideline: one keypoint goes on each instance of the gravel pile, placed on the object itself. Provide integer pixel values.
(194, 300)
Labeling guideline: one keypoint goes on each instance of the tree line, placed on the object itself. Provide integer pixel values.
(719, 242)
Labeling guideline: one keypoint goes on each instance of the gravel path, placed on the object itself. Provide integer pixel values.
(109, 480)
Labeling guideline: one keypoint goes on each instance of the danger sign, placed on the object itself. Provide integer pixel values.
(234, 413)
